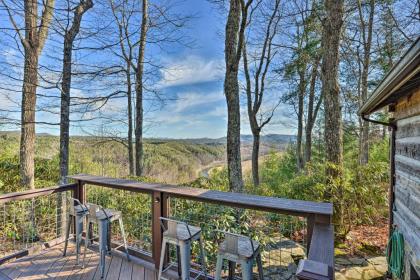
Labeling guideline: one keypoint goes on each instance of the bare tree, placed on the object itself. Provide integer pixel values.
(69, 37)
(234, 40)
(122, 15)
(36, 31)
(313, 109)
(255, 89)
(366, 29)
(305, 55)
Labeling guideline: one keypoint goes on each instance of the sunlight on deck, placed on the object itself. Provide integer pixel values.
(50, 264)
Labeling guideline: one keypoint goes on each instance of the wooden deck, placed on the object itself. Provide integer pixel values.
(50, 264)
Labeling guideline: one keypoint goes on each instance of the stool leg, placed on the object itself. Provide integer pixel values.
(85, 243)
(219, 267)
(178, 260)
(67, 235)
(162, 258)
(231, 272)
(90, 229)
(109, 238)
(79, 230)
(246, 267)
(260, 267)
(185, 250)
(203, 257)
(102, 263)
(120, 221)
(103, 233)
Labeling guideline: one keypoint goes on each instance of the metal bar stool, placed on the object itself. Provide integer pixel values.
(239, 249)
(103, 218)
(181, 235)
(78, 212)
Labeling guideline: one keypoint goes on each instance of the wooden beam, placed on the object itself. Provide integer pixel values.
(35, 193)
(263, 203)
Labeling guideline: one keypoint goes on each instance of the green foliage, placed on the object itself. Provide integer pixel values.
(361, 192)
(170, 161)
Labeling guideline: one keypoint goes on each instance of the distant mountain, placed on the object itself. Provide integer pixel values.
(17, 133)
(245, 139)
(268, 139)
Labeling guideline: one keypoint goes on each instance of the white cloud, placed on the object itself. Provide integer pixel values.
(194, 99)
(219, 111)
(191, 70)
(192, 107)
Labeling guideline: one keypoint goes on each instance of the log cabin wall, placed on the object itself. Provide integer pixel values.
(406, 208)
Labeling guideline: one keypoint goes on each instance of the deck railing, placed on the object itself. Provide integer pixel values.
(290, 230)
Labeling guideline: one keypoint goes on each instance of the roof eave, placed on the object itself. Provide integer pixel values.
(406, 68)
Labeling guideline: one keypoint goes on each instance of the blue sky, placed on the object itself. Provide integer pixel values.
(193, 79)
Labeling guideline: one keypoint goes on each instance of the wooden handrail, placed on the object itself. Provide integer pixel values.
(320, 233)
(28, 194)
(318, 214)
(241, 200)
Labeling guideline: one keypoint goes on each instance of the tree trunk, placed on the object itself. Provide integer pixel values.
(33, 43)
(367, 42)
(333, 133)
(301, 96)
(233, 44)
(130, 120)
(255, 155)
(312, 113)
(27, 138)
(139, 91)
(69, 38)
(330, 86)
(65, 110)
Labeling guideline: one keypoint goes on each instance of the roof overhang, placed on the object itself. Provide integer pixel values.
(404, 76)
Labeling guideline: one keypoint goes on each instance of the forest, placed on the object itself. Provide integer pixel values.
(110, 88)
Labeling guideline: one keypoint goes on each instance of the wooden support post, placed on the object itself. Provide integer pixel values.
(310, 221)
(160, 208)
(79, 193)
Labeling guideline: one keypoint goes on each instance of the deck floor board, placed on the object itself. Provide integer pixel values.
(51, 264)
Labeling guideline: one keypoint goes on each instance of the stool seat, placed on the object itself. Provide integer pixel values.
(184, 233)
(240, 249)
(181, 235)
(111, 214)
(245, 249)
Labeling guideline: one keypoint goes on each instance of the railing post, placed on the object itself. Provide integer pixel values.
(310, 221)
(160, 208)
(79, 192)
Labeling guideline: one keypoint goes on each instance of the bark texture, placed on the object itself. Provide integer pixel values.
(333, 132)
(235, 27)
(139, 90)
(330, 88)
(301, 97)
(33, 42)
(69, 38)
(130, 120)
